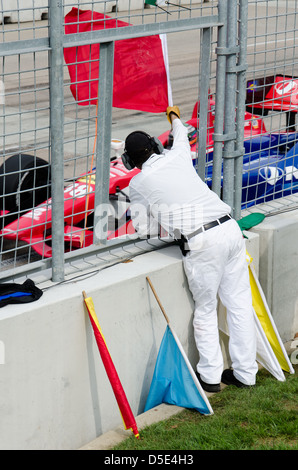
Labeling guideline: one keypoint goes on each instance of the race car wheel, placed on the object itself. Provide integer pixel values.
(24, 183)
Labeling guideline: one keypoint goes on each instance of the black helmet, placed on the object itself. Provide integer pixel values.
(139, 146)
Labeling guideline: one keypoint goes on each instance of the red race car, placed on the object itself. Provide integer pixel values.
(26, 211)
(273, 93)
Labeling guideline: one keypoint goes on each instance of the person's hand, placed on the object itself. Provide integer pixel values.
(173, 112)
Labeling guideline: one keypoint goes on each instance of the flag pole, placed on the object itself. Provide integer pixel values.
(175, 5)
(158, 301)
(164, 45)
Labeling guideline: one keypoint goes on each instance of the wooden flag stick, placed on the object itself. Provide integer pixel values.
(175, 5)
(158, 301)
(164, 10)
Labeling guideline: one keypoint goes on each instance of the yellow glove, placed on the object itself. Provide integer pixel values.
(172, 109)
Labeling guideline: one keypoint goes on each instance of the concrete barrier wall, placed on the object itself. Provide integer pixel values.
(15, 11)
(54, 389)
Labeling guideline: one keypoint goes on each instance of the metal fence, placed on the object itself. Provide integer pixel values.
(271, 94)
(54, 142)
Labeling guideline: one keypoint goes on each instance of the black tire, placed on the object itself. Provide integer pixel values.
(24, 183)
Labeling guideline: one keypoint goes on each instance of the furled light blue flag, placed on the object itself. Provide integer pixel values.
(174, 381)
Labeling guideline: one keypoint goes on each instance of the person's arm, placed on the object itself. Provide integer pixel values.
(173, 116)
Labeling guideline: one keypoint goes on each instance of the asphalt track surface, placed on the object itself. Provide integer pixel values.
(268, 51)
(272, 47)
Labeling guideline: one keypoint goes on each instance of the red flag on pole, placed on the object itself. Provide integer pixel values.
(140, 65)
(124, 407)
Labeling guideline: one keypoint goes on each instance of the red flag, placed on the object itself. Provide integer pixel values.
(125, 410)
(140, 73)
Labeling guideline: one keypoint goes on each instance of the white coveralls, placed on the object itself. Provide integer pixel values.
(168, 191)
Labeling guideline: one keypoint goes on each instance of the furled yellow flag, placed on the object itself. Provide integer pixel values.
(263, 313)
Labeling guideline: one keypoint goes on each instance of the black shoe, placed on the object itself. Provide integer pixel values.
(228, 378)
(213, 388)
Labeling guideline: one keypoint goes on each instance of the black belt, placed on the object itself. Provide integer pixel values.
(212, 224)
(182, 240)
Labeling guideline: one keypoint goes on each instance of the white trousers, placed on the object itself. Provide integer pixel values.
(216, 265)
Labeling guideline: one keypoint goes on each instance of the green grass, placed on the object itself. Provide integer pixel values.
(264, 417)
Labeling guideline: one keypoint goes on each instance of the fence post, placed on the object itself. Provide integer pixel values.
(230, 106)
(103, 144)
(203, 99)
(219, 98)
(56, 137)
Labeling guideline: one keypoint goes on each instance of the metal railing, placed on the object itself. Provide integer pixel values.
(271, 95)
(53, 145)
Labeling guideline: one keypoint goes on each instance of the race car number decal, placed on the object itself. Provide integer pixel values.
(283, 88)
(77, 190)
